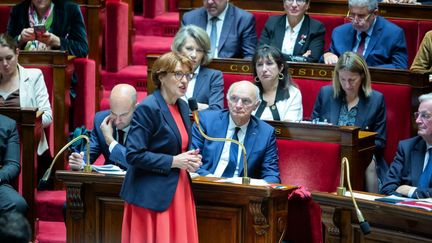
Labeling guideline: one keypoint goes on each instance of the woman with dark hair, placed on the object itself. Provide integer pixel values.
(351, 101)
(298, 36)
(281, 99)
(23, 87)
(49, 25)
(159, 205)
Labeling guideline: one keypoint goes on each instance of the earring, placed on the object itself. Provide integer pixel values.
(256, 79)
(281, 76)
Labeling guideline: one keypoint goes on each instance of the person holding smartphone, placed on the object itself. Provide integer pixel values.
(49, 25)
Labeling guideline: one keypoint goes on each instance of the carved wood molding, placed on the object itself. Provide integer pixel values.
(328, 216)
(75, 201)
(260, 225)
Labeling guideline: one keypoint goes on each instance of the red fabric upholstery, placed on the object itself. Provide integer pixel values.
(424, 26)
(51, 232)
(410, 28)
(330, 22)
(49, 205)
(260, 20)
(398, 104)
(309, 89)
(230, 79)
(144, 45)
(85, 104)
(317, 171)
(4, 17)
(116, 36)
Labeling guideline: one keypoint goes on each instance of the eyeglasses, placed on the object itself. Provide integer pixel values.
(299, 2)
(179, 76)
(422, 115)
(357, 18)
(235, 99)
(191, 49)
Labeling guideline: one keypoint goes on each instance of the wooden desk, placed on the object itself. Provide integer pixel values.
(225, 212)
(29, 123)
(389, 223)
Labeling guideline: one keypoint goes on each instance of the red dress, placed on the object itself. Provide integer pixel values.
(178, 223)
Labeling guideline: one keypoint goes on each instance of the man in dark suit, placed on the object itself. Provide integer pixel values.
(410, 173)
(110, 129)
(380, 42)
(235, 33)
(10, 167)
(225, 159)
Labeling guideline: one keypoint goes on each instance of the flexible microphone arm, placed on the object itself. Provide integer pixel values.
(194, 108)
(364, 225)
(87, 167)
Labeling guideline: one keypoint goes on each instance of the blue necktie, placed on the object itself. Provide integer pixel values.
(213, 36)
(425, 177)
(232, 163)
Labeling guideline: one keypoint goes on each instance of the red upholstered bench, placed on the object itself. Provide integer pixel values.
(316, 166)
(4, 18)
(309, 89)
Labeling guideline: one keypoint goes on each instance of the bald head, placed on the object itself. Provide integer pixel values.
(243, 98)
(123, 99)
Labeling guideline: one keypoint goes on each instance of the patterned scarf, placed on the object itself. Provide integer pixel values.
(46, 20)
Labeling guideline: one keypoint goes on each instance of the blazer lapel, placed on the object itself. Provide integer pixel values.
(227, 25)
(202, 77)
(304, 31)
(249, 143)
(220, 127)
(184, 112)
(280, 31)
(351, 39)
(376, 33)
(202, 22)
(166, 113)
(335, 110)
(362, 112)
(417, 160)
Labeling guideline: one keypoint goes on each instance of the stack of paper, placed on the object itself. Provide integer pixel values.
(108, 169)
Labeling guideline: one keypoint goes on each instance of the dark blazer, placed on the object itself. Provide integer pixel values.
(260, 144)
(68, 25)
(9, 150)
(238, 36)
(387, 47)
(152, 142)
(209, 88)
(98, 144)
(407, 167)
(274, 32)
(371, 116)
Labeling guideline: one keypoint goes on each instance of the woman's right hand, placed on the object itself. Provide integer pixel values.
(190, 161)
(27, 34)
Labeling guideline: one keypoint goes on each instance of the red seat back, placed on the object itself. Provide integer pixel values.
(330, 22)
(410, 28)
(4, 18)
(116, 36)
(309, 89)
(230, 79)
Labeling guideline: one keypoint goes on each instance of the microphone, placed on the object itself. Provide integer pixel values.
(87, 168)
(364, 225)
(193, 105)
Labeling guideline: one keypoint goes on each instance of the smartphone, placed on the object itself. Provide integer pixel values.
(39, 30)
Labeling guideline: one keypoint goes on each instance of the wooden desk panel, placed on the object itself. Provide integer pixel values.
(389, 223)
(255, 214)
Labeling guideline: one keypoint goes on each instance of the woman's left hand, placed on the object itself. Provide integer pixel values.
(190, 160)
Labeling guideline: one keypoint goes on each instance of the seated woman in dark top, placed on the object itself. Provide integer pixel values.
(62, 21)
(350, 101)
(300, 38)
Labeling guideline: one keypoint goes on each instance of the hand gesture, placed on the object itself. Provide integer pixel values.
(107, 129)
(27, 34)
(330, 58)
(190, 160)
(76, 160)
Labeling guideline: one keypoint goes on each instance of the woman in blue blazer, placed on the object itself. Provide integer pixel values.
(350, 101)
(159, 205)
(207, 85)
(299, 37)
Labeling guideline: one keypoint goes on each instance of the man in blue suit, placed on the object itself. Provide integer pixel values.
(235, 33)
(257, 136)
(110, 129)
(410, 173)
(380, 42)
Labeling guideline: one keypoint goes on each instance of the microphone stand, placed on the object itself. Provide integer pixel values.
(245, 178)
(87, 167)
(364, 225)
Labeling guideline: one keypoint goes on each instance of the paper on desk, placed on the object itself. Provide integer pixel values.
(362, 196)
(238, 180)
(108, 169)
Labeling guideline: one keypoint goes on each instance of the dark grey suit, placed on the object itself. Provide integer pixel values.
(209, 88)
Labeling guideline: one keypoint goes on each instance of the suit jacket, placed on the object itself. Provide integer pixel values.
(238, 36)
(99, 146)
(9, 150)
(274, 32)
(423, 60)
(260, 144)
(33, 93)
(68, 25)
(153, 140)
(387, 47)
(209, 88)
(407, 168)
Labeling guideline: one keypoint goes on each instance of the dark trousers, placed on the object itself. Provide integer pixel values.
(11, 200)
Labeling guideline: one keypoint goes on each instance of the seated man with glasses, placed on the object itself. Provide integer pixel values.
(380, 42)
(410, 173)
(225, 159)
